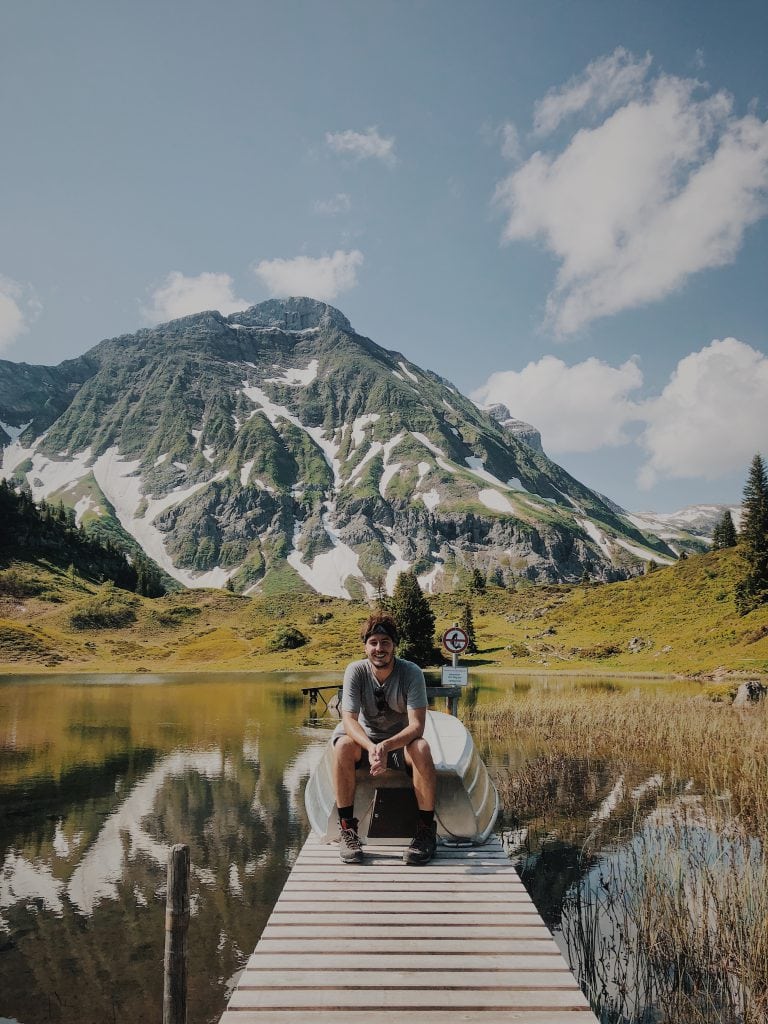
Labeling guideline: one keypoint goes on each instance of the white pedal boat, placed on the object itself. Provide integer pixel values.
(467, 801)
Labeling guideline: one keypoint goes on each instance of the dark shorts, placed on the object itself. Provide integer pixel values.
(395, 760)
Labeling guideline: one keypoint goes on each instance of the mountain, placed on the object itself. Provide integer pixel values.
(688, 527)
(276, 448)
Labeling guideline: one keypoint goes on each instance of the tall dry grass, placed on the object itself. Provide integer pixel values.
(675, 917)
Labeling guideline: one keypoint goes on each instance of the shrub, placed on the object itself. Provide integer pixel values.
(14, 584)
(105, 610)
(287, 638)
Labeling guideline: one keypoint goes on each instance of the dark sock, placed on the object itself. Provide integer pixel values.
(346, 813)
(426, 817)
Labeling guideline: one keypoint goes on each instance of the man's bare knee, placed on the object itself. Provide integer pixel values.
(346, 751)
(420, 754)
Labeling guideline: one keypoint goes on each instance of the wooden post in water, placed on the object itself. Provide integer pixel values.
(176, 925)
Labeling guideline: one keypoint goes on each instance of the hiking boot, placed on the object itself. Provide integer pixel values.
(350, 850)
(423, 845)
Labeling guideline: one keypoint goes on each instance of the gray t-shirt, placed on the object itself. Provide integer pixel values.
(382, 708)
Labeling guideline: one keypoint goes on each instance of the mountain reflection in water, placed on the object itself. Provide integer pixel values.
(99, 776)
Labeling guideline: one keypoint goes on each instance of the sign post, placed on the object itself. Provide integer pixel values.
(455, 640)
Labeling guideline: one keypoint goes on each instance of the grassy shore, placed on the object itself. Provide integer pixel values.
(676, 620)
(675, 914)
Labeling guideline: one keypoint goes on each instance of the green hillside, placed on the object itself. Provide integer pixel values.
(676, 620)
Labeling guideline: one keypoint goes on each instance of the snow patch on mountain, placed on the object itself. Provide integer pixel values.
(296, 376)
(597, 536)
(494, 500)
(430, 498)
(49, 475)
(373, 451)
(645, 553)
(273, 412)
(329, 571)
(122, 487)
(14, 432)
(390, 468)
(399, 565)
(84, 505)
(428, 444)
(407, 372)
(428, 581)
(516, 484)
(360, 424)
(477, 466)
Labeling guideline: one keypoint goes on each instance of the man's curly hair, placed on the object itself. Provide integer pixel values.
(380, 623)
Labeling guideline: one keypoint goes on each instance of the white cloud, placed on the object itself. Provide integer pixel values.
(18, 307)
(340, 203)
(706, 422)
(510, 141)
(604, 84)
(711, 417)
(665, 187)
(577, 408)
(179, 296)
(363, 145)
(322, 277)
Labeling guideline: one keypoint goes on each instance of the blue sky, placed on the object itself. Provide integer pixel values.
(559, 205)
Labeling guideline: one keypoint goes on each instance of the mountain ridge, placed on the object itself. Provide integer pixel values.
(278, 447)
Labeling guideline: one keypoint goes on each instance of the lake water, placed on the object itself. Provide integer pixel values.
(100, 775)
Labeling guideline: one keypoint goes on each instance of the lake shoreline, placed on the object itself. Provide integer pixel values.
(122, 669)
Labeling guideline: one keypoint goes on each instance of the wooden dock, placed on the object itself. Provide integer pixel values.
(456, 940)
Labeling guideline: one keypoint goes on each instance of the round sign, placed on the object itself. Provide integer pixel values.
(455, 640)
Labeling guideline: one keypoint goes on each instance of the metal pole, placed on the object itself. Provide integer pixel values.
(176, 925)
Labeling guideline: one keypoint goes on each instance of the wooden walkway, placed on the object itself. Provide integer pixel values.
(456, 940)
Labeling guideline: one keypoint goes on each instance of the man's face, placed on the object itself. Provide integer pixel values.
(380, 650)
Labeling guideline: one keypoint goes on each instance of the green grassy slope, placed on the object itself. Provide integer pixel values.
(676, 620)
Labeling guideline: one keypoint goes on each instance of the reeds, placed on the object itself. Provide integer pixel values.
(670, 924)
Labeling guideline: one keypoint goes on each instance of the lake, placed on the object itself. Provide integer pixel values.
(100, 775)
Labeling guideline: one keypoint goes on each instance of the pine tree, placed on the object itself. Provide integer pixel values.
(415, 621)
(468, 625)
(752, 588)
(477, 582)
(724, 534)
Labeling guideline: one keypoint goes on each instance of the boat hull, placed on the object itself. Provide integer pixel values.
(467, 802)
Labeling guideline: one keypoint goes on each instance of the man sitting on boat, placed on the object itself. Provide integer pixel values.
(384, 710)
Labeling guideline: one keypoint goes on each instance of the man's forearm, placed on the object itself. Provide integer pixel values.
(411, 732)
(356, 732)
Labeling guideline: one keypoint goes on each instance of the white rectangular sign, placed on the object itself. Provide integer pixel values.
(454, 676)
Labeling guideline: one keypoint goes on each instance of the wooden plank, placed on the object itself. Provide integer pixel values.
(339, 871)
(415, 961)
(492, 894)
(400, 945)
(466, 922)
(375, 999)
(423, 980)
(443, 855)
(394, 906)
(519, 926)
(429, 883)
(404, 1016)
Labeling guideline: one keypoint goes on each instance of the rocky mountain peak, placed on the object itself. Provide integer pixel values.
(297, 313)
(523, 431)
